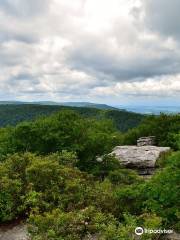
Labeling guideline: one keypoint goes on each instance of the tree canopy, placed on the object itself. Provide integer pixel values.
(51, 176)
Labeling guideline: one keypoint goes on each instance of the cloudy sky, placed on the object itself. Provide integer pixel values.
(107, 51)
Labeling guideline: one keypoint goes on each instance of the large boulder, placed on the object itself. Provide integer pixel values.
(139, 157)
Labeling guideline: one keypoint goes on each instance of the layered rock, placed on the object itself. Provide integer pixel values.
(143, 158)
(146, 141)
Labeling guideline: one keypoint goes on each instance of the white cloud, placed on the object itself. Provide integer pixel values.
(163, 86)
(86, 49)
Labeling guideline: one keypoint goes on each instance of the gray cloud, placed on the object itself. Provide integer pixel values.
(129, 56)
(24, 8)
(163, 17)
(120, 68)
(64, 50)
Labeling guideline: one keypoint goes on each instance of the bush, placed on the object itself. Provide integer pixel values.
(104, 165)
(162, 191)
(164, 127)
(68, 226)
(62, 132)
(124, 176)
(9, 198)
(28, 181)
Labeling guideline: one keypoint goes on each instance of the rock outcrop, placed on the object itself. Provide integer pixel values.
(146, 141)
(16, 232)
(173, 236)
(143, 158)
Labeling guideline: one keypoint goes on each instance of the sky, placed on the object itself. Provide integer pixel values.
(119, 52)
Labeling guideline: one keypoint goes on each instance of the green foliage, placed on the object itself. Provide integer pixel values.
(28, 181)
(129, 199)
(68, 226)
(124, 120)
(164, 127)
(56, 171)
(13, 185)
(65, 158)
(16, 113)
(64, 131)
(9, 198)
(13, 114)
(159, 195)
(162, 193)
(124, 176)
(6, 142)
(104, 165)
(176, 141)
(87, 223)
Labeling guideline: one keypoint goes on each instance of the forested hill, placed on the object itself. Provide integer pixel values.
(66, 104)
(11, 114)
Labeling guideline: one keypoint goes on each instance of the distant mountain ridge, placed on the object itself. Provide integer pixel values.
(152, 109)
(148, 110)
(13, 113)
(70, 104)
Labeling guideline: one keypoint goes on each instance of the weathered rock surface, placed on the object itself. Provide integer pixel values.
(146, 141)
(91, 237)
(17, 232)
(173, 236)
(143, 157)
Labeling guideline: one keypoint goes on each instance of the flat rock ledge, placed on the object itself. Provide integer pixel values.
(173, 236)
(17, 232)
(142, 157)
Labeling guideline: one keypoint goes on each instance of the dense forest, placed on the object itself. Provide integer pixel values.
(11, 114)
(50, 176)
